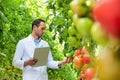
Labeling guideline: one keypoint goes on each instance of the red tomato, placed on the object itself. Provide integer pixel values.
(86, 59)
(107, 12)
(89, 73)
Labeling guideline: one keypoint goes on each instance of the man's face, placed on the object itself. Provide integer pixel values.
(41, 29)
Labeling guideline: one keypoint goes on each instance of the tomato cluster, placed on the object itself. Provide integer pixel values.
(82, 59)
(81, 22)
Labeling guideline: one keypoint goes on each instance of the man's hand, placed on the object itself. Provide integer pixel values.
(30, 62)
(66, 60)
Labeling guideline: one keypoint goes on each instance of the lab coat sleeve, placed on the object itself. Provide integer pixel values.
(17, 59)
(51, 63)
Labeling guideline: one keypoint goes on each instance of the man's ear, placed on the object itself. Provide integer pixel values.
(34, 26)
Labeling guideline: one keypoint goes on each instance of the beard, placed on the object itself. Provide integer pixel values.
(38, 34)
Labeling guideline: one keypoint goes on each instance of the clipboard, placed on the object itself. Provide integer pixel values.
(42, 55)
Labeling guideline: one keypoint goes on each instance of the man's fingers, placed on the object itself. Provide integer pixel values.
(35, 60)
(69, 60)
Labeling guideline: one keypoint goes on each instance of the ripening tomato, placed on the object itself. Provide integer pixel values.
(79, 78)
(78, 8)
(82, 74)
(75, 7)
(80, 51)
(78, 63)
(83, 50)
(77, 52)
(107, 12)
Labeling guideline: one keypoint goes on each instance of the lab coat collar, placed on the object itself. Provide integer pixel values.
(30, 37)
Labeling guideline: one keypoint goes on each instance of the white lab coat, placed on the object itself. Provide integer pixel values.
(24, 51)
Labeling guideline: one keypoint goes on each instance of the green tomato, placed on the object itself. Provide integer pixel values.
(81, 1)
(70, 55)
(90, 3)
(70, 13)
(98, 34)
(75, 18)
(71, 31)
(83, 26)
(83, 10)
(78, 35)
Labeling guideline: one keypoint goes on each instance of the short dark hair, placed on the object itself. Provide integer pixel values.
(37, 22)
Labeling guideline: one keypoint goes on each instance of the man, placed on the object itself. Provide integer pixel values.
(23, 57)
